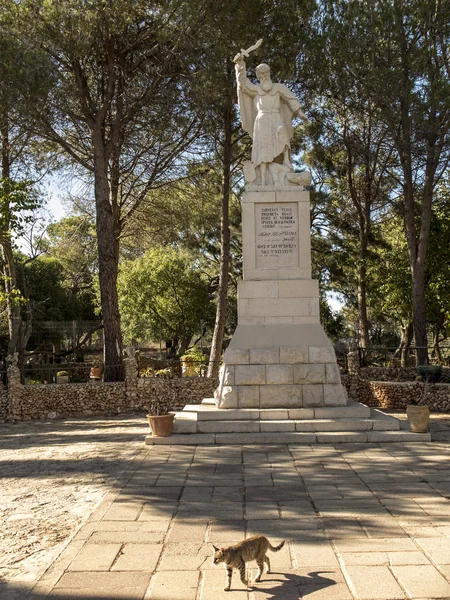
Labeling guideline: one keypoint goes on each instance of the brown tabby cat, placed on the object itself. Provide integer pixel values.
(236, 556)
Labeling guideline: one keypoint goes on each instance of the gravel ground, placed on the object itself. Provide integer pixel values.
(52, 475)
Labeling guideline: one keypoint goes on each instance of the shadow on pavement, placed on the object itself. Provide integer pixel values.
(30, 434)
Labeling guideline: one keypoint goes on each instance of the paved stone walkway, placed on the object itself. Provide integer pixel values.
(363, 522)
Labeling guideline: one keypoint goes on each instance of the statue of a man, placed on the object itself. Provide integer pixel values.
(267, 111)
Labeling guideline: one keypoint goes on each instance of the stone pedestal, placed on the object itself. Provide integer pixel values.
(279, 355)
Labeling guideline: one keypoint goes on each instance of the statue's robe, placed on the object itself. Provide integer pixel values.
(266, 116)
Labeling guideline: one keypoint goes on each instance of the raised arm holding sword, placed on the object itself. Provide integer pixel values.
(267, 111)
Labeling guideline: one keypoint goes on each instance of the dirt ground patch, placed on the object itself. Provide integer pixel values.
(52, 475)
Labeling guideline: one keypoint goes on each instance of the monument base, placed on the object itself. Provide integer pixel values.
(279, 356)
(280, 366)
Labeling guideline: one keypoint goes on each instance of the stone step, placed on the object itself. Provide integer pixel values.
(190, 425)
(206, 411)
(297, 437)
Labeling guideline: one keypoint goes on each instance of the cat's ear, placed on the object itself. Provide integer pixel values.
(216, 548)
(222, 549)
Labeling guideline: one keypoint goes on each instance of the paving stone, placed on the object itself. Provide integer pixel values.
(187, 531)
(315, 552)
(214, 581)
(186, 557)
(98, 557)
(304, 526)
(226, 531)
(268, 510)
(408, 558)
(155, 525)
(446, 570)
(282, 586)
(124, 511)
(366, 558)
(114, 526)
(343, 528)
(126, 537)
(375, 545)
(296, 508)
(195, 494)
(424, 532)
(338, 591)
(382, 528)
(175, 585)
(138, 557)
(103, 581)
(158, 512)
(372, 583)
(208, 509)
(323, 583)
(230, 495)
(134, 593)
(422, 581)
(437, 548)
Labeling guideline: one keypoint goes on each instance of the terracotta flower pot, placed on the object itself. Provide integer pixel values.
(418, 417)
(95, 373)
(162, 425)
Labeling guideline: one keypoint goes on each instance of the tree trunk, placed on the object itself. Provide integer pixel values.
(436, 345)
(19, 331)
(108, 229)
(419, 313)
(417, 240)
(221, 312)
(405, 343)
(364, 341)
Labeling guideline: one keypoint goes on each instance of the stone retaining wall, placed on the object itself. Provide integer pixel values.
(397, 374)
(29, 402)
(26, 402)
(3, 402)
(397, 395)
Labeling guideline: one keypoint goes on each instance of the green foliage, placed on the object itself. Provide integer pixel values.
(195, 362)
(333, 322)
(72, 242)
(162, 293)
(17, 203)
(50, 298)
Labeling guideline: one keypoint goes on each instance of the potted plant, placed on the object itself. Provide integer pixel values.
(418, 411)
(159, 416)
(62, 377)
(96, 372)
(192, 362)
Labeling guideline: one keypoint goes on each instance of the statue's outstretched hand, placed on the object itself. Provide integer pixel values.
(239, 58)
(302, 116)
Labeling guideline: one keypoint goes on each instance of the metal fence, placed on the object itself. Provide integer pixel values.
(385, 356)
(63, 336)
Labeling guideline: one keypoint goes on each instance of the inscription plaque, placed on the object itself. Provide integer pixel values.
(276, 235)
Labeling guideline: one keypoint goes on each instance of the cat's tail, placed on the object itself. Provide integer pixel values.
(276, 548)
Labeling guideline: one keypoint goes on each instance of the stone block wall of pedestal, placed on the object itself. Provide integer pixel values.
(279, 355)
(282, 376)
